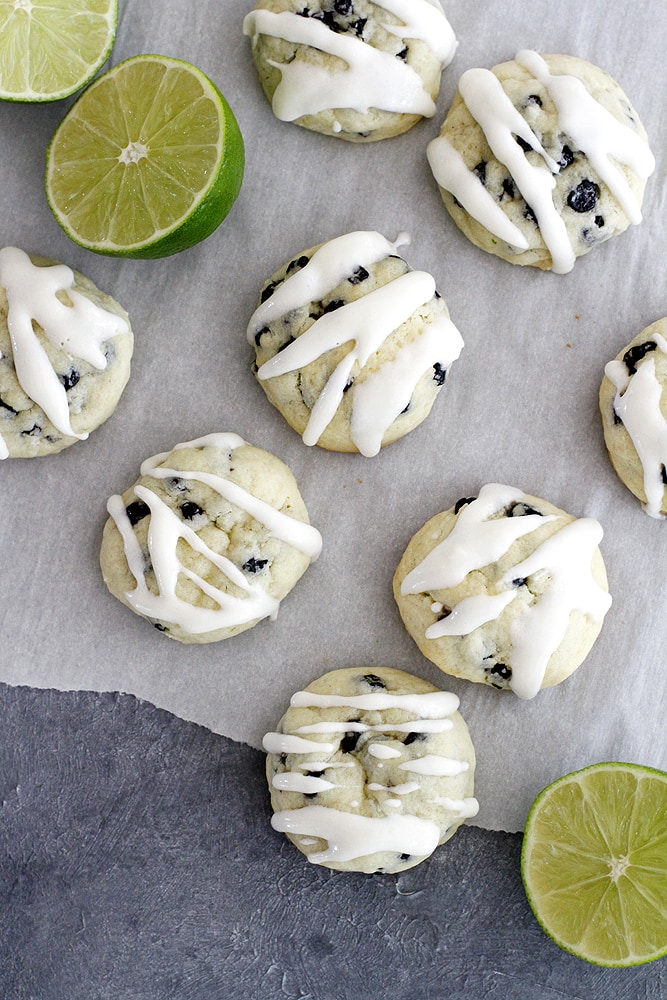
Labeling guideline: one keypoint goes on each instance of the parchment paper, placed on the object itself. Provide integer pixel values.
(519, 407)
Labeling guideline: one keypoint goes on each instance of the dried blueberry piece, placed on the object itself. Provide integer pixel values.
(348, 386)
(480, 170)
(359, 26)
(663, 474)
(297, 264)
(599, 221)
(253, 565)
(260, 334)
(413, 738)
(343, 6)
(358, 275)
(69, 380)
(160, 627)
(190, 510)
(35, 431)
(268, 291)
(584, 197)
(176, 484)
(529, 214)
(462, 502)
(521, 509)
(137, 511)
(500, 670)
(534, 99)
(349, 741)
(6, 406)
(405, 857)
(526, 146)
(333, 305)
(440, 373)
(508, 188)
(374, 681)
(636, 354)
(519, 582)
(315, 774)
(566, 158)
(328, 17)
(403, 54)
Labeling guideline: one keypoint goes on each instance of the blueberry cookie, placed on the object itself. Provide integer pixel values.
(370, 770)
(209, 540)
(504, 589)
(540, 159)
(352, 345)
(633, 404)
(356, 69)
(65, 351)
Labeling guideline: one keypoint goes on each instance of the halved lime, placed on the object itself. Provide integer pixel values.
(52, 48)
(148, 161)
(594, 863)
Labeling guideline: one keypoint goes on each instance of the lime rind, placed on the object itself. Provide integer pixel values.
(608, 913)
(50, 49)
(125, 179)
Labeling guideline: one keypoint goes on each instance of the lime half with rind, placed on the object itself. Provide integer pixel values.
(594, 863)
(147, 162)
(49, 49)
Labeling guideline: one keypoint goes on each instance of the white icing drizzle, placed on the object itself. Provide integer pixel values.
(350, 836)
(370, 78)
(287, 743)
(431, 705)
(435, 765)
(464, 808)
(589, 125)
(165, 530)
(637, 403)
(79, 329)
(364, 323)
(291, 781)
(475, 542)
(382, 751)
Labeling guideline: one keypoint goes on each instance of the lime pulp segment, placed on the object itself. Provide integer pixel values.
(594, 863)
(147, 162)
(52, 48)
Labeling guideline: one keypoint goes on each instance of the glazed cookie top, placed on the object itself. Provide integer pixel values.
(65, 351)
(639, 379)
(370, 769)
(206, 533)
(539, 115)
(483, 532)
(381, 327)
(368, 45)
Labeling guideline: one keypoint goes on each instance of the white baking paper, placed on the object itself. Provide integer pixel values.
(519, 407)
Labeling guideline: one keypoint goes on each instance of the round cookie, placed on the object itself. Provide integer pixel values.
(504, 589)
(540, 159)
(370, 769)
(633, 405)
(355, 69)
(209, 540)
(352, 345)
(65, 352)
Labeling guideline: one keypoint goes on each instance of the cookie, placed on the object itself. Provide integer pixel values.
(633, 404)
(65, 351)
(540, 159)
(209, 540)
(504, 589)
(355, 69)
(370, 770)
(352, 345)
